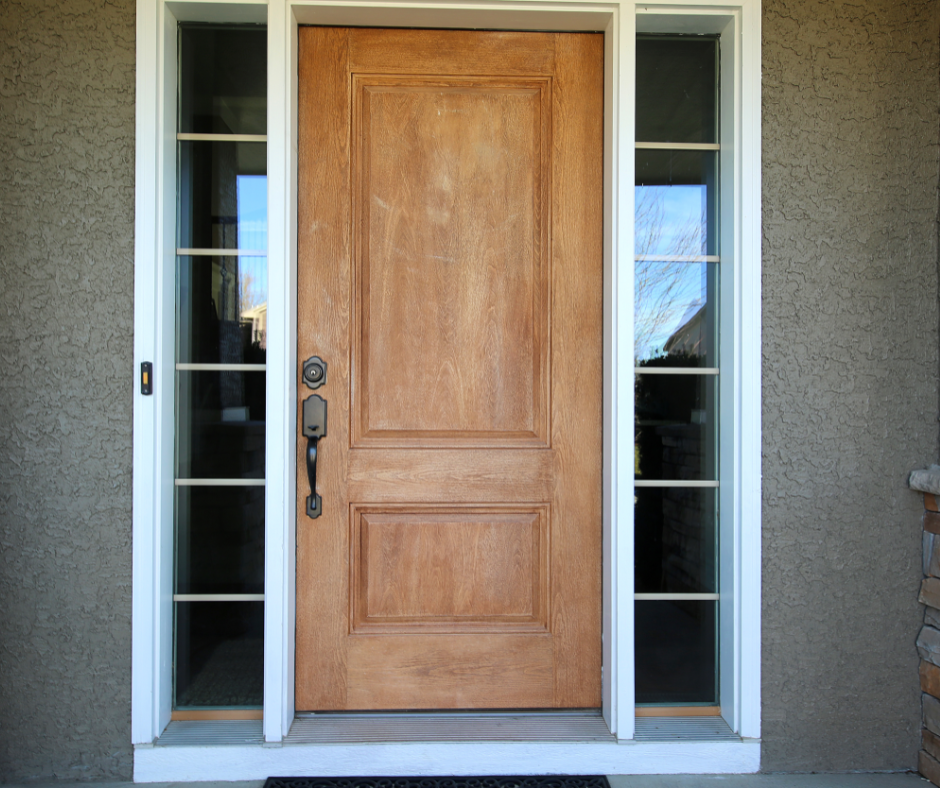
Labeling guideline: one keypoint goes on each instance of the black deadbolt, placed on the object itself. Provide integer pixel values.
(314, 372)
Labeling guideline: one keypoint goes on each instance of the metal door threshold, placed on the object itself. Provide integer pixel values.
(205, 733)
(683, 729)
(342, 728)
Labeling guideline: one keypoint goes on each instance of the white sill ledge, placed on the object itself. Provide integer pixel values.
(238, 760)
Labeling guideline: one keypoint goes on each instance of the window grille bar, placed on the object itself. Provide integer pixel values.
(182, 367)
(675, 597)
(220, 482)
(676, 370)
(184, 252)
(677, 258)
(673, 483)
(185, 136)
(678, 146)
(218, 597)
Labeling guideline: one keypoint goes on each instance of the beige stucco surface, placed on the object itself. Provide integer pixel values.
(850, 380)
(850, 374)
(66, 334)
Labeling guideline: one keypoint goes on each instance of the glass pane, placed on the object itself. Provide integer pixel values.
(675, 652)
(223, 195)
(223, 80)
(220, 540)
(219, 654)
(222, 307)
(676, 313)
(676, 203)
(220, 425)
(675, 540)
(676, 425)
(676, 93)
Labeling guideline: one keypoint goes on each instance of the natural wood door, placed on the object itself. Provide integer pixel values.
(449, 272)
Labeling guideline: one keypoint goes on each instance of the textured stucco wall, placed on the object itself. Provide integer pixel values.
(850, 379)
(850, 134)
(66, 330)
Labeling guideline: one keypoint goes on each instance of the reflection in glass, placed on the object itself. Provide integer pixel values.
(223, 79)
(676, 311)
(223, 195)
(220, 540)
(675, 652)
(222, 307)
(220, 417)
(219, 654)
(676, 93)
(675, 540)
(676, 424)
(676, 206)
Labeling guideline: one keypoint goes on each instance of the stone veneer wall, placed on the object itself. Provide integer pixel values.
(928, 641)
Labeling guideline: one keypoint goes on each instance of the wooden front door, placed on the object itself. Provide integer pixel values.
(450, 274)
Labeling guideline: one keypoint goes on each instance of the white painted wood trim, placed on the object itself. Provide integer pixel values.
(280, 453)
(145, 525)
(153, 427)
(183, 764)
(748, 558)
(620, 704)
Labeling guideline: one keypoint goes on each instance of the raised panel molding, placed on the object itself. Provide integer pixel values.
(470, 368)
(460, 569)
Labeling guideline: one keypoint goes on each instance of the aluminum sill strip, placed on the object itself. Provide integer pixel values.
(338, 728)
(683, 729)
(444, 726)
(208, 733)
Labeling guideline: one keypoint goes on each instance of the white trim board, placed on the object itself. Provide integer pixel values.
(739, 22)
(183, 764)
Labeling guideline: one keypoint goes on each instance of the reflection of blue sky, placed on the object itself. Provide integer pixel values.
(252, 193)
(671, 219)
(252, 211)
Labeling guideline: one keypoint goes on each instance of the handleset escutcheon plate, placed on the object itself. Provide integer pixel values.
(314, 428)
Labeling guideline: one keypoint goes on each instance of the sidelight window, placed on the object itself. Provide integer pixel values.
(221, 315)
(677, 367)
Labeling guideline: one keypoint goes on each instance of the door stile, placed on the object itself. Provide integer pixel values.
(324, 272)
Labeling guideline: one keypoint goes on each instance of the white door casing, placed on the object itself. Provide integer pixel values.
(739, 24)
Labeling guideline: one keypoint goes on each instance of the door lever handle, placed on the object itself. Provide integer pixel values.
(314, 428)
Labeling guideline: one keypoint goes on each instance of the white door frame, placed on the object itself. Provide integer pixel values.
(739, 22)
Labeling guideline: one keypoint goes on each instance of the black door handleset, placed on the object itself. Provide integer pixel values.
(314, 428)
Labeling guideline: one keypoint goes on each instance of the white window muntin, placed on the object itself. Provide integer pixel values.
(739, 26)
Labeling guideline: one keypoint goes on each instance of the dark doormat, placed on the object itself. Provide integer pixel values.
(541, 781)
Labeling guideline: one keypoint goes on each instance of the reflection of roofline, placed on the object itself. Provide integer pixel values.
(255, 311)
(682, 333)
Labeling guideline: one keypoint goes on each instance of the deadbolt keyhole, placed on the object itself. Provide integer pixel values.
(314, 372)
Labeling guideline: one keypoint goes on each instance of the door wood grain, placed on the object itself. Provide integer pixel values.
(449, 272)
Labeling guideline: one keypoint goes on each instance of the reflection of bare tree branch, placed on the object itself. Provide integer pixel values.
(663, 291)
(249, 294)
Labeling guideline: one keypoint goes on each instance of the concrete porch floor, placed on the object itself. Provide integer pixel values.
(892, 780)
